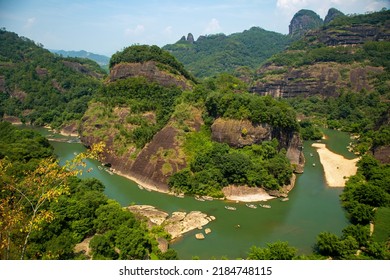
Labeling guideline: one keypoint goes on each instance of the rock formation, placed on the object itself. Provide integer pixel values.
(150, 71)
(177, 224)
(326, 79)
(303, 21)
(239, 133)
(332, 14)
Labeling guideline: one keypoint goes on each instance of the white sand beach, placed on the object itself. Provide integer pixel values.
(337, 168)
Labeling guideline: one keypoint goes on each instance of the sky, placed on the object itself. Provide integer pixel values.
(107, 26)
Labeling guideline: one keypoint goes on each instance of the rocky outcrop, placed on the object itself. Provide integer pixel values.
(295, 153)
(150, 70)
(303, 21)
(239, 133)
(76, 66)
(332, 14)
(356, 34)
(326, 79)
(190, 38)
(177, 224)
(245, 194)
(151, 166)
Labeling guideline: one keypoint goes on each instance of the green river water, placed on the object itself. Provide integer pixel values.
(312, 208)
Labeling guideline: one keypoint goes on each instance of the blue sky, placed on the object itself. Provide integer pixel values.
(107, 26)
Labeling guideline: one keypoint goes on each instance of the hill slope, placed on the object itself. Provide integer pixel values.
(40, 87)
(213, 54)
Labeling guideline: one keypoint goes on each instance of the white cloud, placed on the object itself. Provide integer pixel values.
(139, 29)
(30, 22)
(213, 26)
(168, 30)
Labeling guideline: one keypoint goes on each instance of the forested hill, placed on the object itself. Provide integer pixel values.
(218, 53)
(43, 88)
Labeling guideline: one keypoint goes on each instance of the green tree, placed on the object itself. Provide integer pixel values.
(274, 251)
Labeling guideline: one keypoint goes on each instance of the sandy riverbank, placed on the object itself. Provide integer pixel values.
(337, 168)
(141, 183)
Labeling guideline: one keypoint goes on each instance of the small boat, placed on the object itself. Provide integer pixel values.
(75, 153)
(314, 164)
(311, 154)
(180, 195)
(265, 205)
(140, 187)
(205, 197)
(251, 206)
(100, 168)
(230, 208)
(284, 199)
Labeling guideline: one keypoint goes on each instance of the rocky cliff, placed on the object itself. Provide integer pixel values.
(303, 21)
(152, 71)
(239, 133)
(326, 79)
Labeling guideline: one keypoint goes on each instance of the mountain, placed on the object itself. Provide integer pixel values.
(303, 21)
(213, 54)
(41, 88)
(345, 54)
(338, 73)
(102, 60)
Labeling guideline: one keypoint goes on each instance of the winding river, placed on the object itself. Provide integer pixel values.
(312, 208)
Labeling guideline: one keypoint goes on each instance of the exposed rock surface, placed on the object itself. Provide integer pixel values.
(356, 34)
(150, 71)
(82, 69)
(326, 79)
(332, 14)
(239, 133)
(177, 224)
(303, 21)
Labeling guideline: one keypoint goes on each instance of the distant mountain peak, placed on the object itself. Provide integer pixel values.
(303, 21)
(102, 60)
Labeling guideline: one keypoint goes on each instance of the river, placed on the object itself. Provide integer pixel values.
(313, 207)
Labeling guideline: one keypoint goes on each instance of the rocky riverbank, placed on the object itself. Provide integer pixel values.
(175, 224)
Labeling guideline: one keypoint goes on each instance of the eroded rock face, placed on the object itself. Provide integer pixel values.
(303, 21)
(321, 78)
(150, 71)
(239, 133)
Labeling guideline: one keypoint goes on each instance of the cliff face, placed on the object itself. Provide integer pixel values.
(303, 21)
(151, 71)
(326, 79)
(356, 34)
(152, 164)
(239, 133)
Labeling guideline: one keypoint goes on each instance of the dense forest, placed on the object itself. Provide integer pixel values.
(40, 87)
(46, 209)
(213, 54)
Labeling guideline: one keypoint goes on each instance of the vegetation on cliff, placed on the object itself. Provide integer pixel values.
(213, 165)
